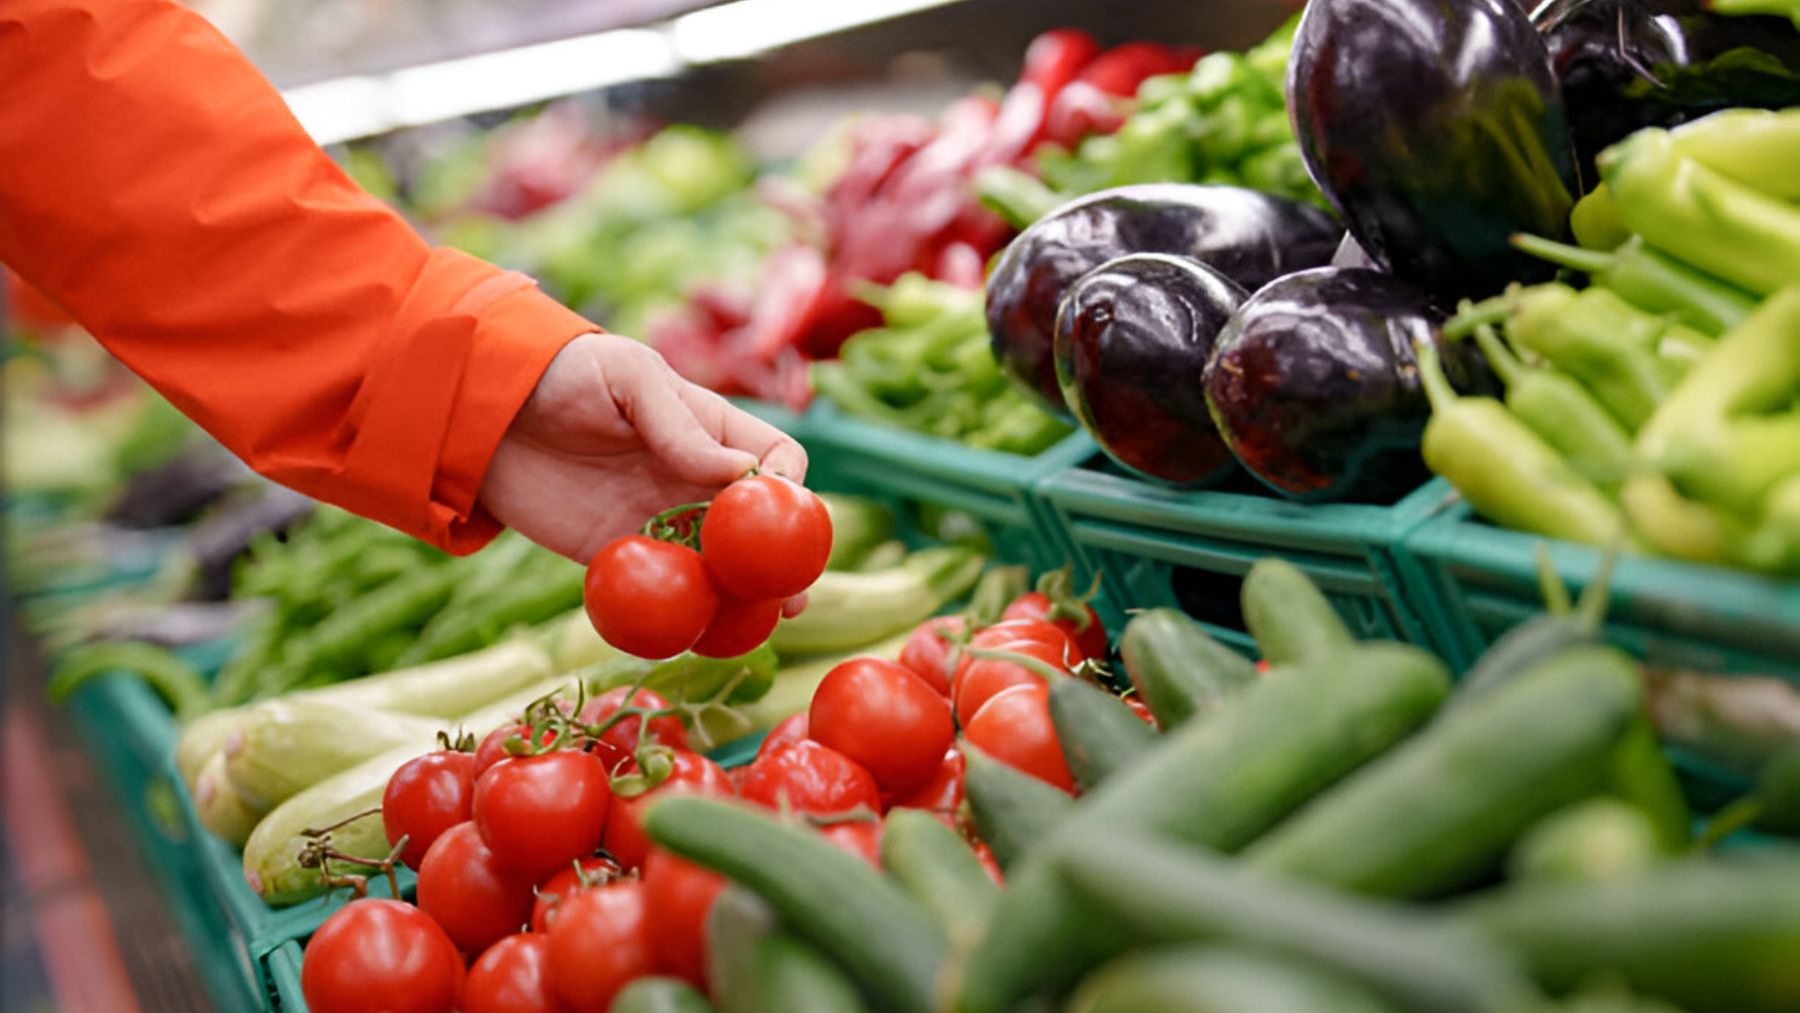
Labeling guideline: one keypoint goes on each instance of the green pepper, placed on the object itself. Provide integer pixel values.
(1735, 462)
(1595, 220)
(1759, 148)
(1601, 340)
(1677, 526)
(1788, 8)
(1504, 470)
(1562, 412)
(1652, 281)
(1701, 216)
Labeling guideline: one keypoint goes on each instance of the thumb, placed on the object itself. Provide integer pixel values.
(678, 439)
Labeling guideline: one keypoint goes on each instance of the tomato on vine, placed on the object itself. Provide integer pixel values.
(512, 976)
(541, 812)
(807, 777)
(428, 795)
(882, 716)
(598, 945)
(739, 627)
(985, 677)
(649, 598)
(691, 774)
(678, 895)
(564, 883)
(1014, 727)
(927, 650)
(1056, 602)
(765, 538)
(381, 956)
(618, 745)
(465, 888)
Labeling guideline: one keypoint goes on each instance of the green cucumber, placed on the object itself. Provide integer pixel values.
(1218, 783)
(1218, 979)
(1602, 838)
(1152, 892)
(1441, 810)
(939, 869)
(1289, 616)
(1710, 935)
(1013, 811)
(1100, 735)
(656, 994)
(792, 976)
(283, 747)
(1641, 775)
(1518, 649)
(734, 923)
(886, 941)
(1178, 669)
(758, 967)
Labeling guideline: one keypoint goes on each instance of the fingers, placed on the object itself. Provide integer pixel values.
(776, 451)
(689, 449)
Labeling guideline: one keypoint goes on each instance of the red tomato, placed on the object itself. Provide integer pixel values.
(884, 717)
(598, 945)
(468, 891)
(677, 897)
(1014, 728)
(541, 812)
(493, 747)
(765, 538)
(792, 728)
(859, 837)
(693, 774)
(943, 793)
(618, 746)
(649, 598)
(565, 883)
(512, 976)
(1141, 709)
(1059, 648)
(927, 651)
(425, 797)
(1089, 635)
(987, 676)
(812, 779)
(739, 627)
(380, 956)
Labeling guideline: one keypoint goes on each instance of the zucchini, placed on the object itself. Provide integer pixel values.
(282, 747)
(1100, 735)
(1218, 979)
(1180, 670)
(201, 739)
(937, 867)
(1218, 783)
(1013, 811)
(444, 689)
(831, 898)
(1154, 892)
(1602, 838)
(1289, 616)
(1710, 935)
(845, 611)
(657, 994)
(858, 525)
(1440, 811)
(223, 812)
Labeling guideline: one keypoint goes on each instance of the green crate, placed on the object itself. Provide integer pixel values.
(1190, 549)
(281, 969)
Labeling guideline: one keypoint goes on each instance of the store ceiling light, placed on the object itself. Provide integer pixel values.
(737, 30)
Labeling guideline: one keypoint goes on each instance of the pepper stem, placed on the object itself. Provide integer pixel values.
(1431, 375)
(1564, 255)
(1505, 363)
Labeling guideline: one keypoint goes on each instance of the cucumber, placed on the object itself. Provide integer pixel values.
(1100, 735)
(1289, 616)
(758, 967)
(1641, 775)
(1518, 649)
(1778, 791)
(937, 867)
(283, 747)
(656, 994)
(1218, 979)
(1710, 935)
(1218, 783)
(272, 854)
(1600, 839)
(1013, 811)
(845, 611)
(887, 942)
(223, 812)
(1179, 670)
(736, 920)
(792, 976)
(1440, 811)
(1153, 892)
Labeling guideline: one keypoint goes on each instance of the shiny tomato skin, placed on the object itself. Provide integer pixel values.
(739, 627)
(427, 796)
(493, 746)
(648, 598)
(812, 778)
(541, 812)
(512, 976)
(565, 883)
(1014, 727)
(765, 538)
(471, 893)
(1058, 648)
(380, 956)
(885, 718)
(598, 945)
(617, 746)
(978, 683)
(943, 793)
(693, 774)
(927, 651)
(1089, 636)
(678, 895)
(861, 838)
(792, 728)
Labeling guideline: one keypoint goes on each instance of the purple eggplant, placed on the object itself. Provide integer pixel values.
(1436, 129)
(1132, 339)
(1247, 236)
(1314, 387)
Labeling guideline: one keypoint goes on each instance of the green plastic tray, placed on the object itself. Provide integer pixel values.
(1158, 547)
(281, 969)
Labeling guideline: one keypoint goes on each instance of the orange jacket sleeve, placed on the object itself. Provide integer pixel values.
(155, 184)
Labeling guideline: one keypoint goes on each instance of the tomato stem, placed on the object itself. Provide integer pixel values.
(664, 527)
(1037, 666)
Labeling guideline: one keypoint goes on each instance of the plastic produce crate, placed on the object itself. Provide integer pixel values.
(281, 969)
(1190, 549)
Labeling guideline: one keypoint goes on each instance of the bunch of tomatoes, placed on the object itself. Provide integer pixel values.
(717, 586)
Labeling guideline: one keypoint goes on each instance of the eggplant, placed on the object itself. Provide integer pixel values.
(1249, 237)
(1314, 387)
(178, 490)
(1629, 64)
(227, 533)
(1132, 339)
(1437, 130)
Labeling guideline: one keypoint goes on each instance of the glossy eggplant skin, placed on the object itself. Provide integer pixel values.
(1247, 236)
(1314, 386)
(1629, 64)
(1132, 339)
(1437, 130)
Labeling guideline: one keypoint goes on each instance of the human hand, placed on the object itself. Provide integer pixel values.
(612, 436)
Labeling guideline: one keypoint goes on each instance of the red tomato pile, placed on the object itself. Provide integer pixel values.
(762, 541)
